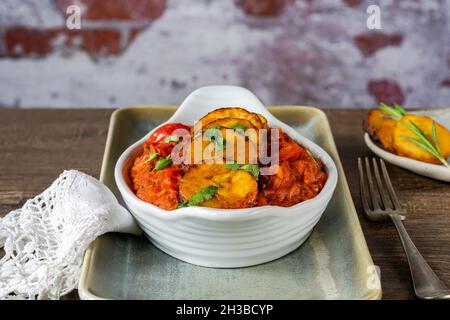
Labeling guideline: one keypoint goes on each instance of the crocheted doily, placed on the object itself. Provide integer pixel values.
(45, 240)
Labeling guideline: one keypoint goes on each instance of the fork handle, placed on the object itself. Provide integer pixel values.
(426, 283)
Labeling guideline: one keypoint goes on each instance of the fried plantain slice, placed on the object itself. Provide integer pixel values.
(380, 127)
(238, 113)
(230, 123)
(236, 189)
(386, 134)
(263, 120)
(231, 139)
(373, 122)
(406, 148)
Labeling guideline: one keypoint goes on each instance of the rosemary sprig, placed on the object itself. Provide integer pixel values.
(421, 140)
(396, 112)
(434, 135)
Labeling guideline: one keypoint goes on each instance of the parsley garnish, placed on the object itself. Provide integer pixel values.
(170, 138)
(200, 197)
(233, 166)
(152, 155)
(182, 204)
(211, 133)
(214, 135)
(252, 168)
(204, 195)
(163, 162)
(240, 128)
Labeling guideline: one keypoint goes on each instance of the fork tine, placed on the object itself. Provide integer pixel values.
(384, 196)
(387, 180)
(372, 192)
(362, 187)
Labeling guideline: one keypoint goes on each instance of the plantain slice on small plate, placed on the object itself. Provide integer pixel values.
(236, 188)
(404, 147)
(386, 134)
(381, 128)
(372, 123)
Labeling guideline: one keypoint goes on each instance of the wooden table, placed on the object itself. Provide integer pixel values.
(37, 145)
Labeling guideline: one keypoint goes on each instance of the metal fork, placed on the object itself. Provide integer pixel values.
(380, 203)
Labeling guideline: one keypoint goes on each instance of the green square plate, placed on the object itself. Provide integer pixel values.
(334, 263)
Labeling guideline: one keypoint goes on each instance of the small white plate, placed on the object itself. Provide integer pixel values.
(435, 171)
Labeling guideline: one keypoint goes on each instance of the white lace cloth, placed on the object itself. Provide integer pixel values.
(45, 240)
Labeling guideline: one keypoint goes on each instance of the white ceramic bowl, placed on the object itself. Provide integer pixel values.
(226, 238)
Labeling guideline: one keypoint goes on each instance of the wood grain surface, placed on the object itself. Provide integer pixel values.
(37, 145)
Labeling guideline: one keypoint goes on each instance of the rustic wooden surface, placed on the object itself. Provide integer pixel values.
(36, 145)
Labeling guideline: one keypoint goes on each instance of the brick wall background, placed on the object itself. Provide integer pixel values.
(316, 52)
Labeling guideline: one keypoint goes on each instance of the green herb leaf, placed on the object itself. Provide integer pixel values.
(214, 135)
(396, 113)
(418, 143)
(252, 168)
(182, 204)
(170, 138)
(419, 133)
(400, 109)
(434, 135)
(204, 195)
(240, 128)
(220, 144)
(152, 156)
(233, 166)
(163, 162)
